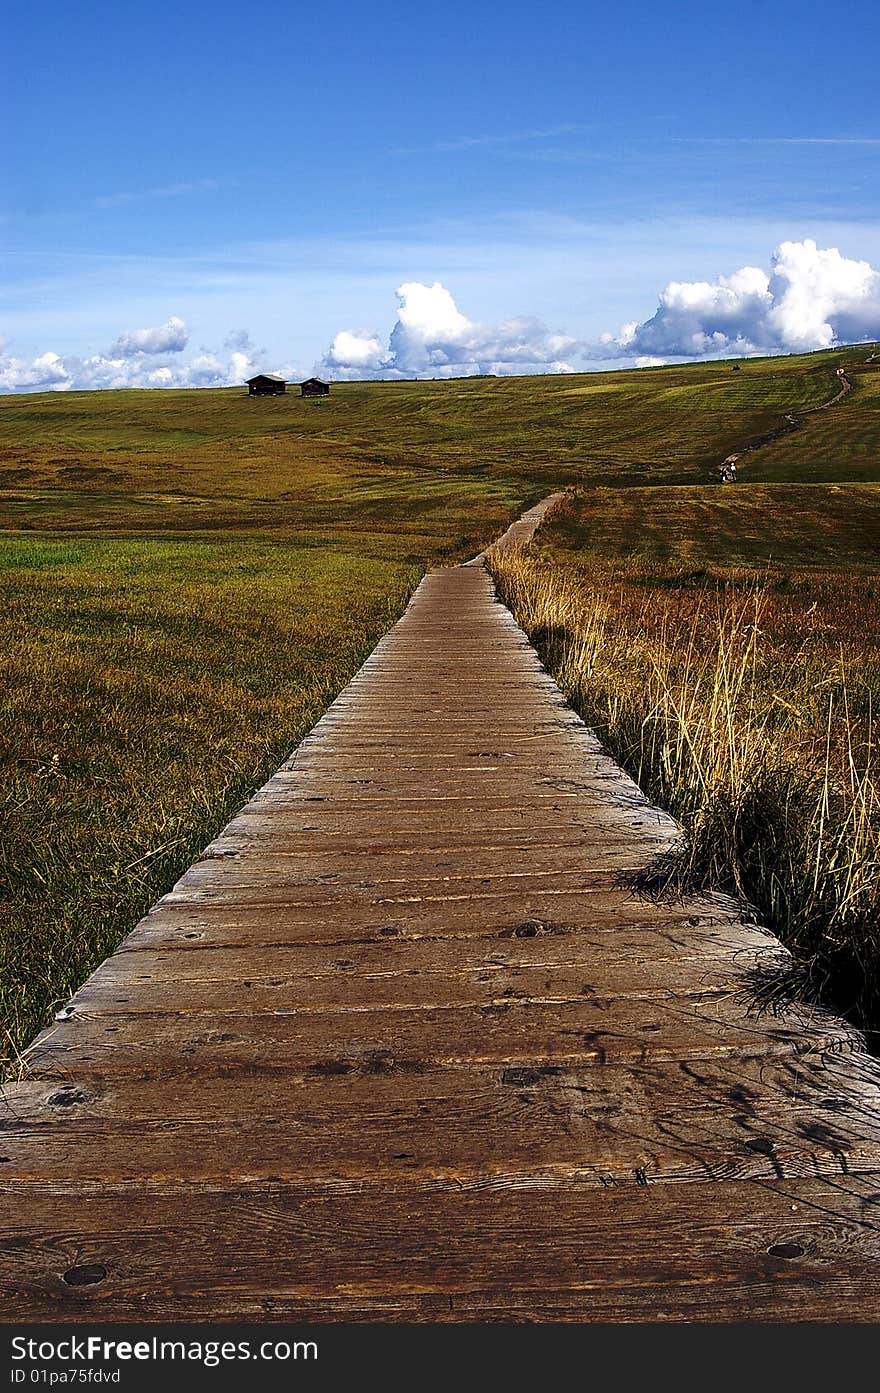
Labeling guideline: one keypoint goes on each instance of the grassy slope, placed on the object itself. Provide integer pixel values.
(151, 681)
(834, 525)
(830, 446)
(379, 455)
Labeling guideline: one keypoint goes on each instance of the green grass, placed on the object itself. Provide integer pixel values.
(830, 446)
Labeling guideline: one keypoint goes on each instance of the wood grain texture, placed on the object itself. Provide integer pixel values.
(406, 1044)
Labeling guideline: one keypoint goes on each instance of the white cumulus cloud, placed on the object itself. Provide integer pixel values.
(432, 338)
(810, 297)
(170, 337)
(357, 351)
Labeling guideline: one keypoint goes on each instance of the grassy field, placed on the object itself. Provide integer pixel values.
(147, 688)
(380, 455)
(188, 577)
(829, 445)
(750, 525)
(725, 645)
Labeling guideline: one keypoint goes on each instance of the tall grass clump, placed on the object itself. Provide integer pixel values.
(743, 705)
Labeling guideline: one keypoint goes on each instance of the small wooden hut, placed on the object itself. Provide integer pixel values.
(314, 387)
(266, 384)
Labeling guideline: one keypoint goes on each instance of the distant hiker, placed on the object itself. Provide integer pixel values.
(727, 470)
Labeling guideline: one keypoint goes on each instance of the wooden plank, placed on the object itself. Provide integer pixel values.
(570, 959)
(288, 880)
(347, 991)
(202, 885)
(541, 1128)
(341, 845)
(520, 1034)
(798, 1247)
(620, 927)
(420, 865)
(400, 974)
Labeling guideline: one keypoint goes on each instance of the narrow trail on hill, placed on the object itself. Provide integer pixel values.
(405, 1045)
(793, 421)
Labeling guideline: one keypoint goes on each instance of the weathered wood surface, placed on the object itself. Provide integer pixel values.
(403, 1045)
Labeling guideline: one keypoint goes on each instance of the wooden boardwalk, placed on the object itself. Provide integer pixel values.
(403, 1045)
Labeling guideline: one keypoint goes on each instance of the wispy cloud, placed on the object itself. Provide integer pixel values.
(512, 139)
(178, 190)
(488, 140)
(467, 142)
(774, 140)
(553, 156)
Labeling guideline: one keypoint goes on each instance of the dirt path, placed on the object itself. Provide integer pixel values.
(792, 422)
(403, 1045)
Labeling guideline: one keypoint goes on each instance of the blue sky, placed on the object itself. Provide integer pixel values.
(285, 176)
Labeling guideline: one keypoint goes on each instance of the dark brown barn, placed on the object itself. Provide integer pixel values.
(314, 387)
(266, 384)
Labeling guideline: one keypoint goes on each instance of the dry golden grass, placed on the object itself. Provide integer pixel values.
(744, 702)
